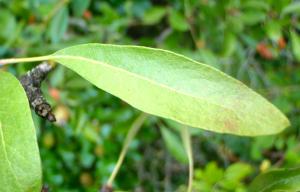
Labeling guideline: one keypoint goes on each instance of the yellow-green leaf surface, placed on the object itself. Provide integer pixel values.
(169, 85)
(20, 167)
(277, 180)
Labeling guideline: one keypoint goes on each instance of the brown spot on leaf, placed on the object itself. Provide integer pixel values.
(230, 125)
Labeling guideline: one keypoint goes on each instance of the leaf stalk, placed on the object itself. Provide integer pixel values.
(24, 60)
(186, 138)
(135, 127)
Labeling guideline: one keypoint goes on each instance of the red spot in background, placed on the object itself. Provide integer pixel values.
(87, 15)
(281, 43)
(54, 93)
(263, 50)
(31, 19)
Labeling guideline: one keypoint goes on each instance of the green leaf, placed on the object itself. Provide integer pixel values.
(79, 6)
(277, 180)
(291, 8)
(253, 17)
(154, 15)
(169, 85)
(234, 174)
(257, 5)
(174, 145)
(20, 167)
(273, 30)
(7, 23)
(230, 44)
(237, 171)
(33, 4)
(212, 173)
(177, 21)
(59, 25)
(295, 45)
(172, 86)
(177, 127)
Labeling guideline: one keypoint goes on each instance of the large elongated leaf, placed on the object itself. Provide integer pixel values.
(277, 180)
(169, 85)
(20, 167)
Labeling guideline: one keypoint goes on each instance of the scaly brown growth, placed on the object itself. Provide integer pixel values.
(31, 82)
(45, 188)
(106, 188)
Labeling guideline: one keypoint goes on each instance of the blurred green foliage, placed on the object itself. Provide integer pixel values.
(254, 41)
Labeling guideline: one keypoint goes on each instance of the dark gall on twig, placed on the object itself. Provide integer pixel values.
(31, 82)
(106, 188)
(45, 188)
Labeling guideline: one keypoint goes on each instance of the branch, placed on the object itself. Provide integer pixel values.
(31, 82)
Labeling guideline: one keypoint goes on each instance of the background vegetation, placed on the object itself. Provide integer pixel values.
(254, 41)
